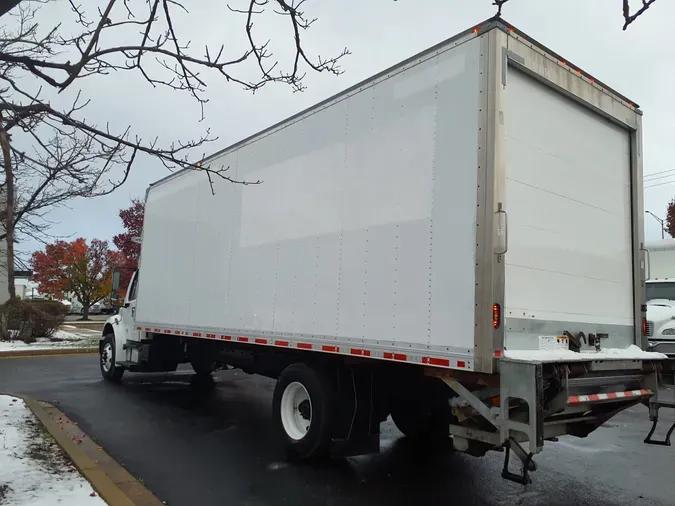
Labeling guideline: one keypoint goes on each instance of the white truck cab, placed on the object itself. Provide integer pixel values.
(119, 331)
(661, 296)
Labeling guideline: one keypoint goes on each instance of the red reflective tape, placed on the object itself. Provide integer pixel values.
(196, 334)
(333, 349)
(425, 360)
(226, 338)
(260, 341)
(281, 343)
(156, 330)
(400, 356)
(356, 351)
(212, 336)
(388, 355)
(304, 346)
(139, 328)
(573, 400)
(439, 361)
(594, 397)
(148, 329)
(366, 353)
(461, 363)
(242, 339)
(611, 395)
(629, 393)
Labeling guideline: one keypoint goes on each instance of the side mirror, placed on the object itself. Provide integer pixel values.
(114, 295)
(116, 280)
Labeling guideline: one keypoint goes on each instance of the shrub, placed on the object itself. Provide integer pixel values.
(16, 321)
(27, 320)
(48, 316)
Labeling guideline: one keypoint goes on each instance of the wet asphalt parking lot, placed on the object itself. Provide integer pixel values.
(200, 450)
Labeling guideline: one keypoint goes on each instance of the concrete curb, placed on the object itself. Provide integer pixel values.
(110, 480)
(47, 352)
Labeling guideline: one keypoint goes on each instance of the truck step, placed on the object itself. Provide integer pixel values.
(126, 363)
(599, 381)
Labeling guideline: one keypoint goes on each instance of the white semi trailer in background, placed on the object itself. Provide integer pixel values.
(455, 242)
(661, 296)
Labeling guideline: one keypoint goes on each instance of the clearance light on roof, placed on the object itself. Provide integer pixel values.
(475, 30)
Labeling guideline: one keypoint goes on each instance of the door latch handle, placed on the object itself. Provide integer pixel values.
(133, 312)
(502, 230)
(646, 264)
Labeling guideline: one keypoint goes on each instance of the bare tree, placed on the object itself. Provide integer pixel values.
(56, 170)
(52, 153)
(628, 17)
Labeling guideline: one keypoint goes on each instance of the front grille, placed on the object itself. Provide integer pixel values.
(650, 328)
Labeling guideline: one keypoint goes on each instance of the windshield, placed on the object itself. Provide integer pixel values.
(660, 291)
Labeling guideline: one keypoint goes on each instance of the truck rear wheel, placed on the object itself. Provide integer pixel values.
(107, 360)
(302, 411)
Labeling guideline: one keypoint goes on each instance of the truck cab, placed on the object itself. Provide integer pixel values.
(120, 330)
(660, 296)
(661, 315)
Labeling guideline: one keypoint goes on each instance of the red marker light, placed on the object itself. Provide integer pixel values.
(496, 315)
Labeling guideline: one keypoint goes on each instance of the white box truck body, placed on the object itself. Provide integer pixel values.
(459, 236)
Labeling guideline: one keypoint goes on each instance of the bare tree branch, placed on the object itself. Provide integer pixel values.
(53, 154)
(628, 17)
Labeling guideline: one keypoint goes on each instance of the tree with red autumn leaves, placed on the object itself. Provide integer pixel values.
(127, 242)
(132, 220)
(77, 268)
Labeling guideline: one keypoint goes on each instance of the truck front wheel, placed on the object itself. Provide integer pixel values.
(107, 353)
(302, 411)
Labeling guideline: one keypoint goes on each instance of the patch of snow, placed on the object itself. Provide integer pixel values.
(34, 470)
(62, 334)
(69, 340)
(631, 353)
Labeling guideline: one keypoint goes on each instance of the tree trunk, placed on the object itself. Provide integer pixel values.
(85, 311)
(9, 214)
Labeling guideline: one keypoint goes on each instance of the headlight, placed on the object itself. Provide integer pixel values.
(668, 332)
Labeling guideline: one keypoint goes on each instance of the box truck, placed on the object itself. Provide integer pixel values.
(455, 242)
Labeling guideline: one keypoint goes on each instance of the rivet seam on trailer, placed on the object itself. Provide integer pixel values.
(326, 348)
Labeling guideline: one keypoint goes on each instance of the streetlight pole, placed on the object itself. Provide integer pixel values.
(662, 222)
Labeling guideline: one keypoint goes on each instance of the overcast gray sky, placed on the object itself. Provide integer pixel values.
(638, 63)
